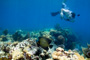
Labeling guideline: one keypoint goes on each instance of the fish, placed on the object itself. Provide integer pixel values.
(44, 42)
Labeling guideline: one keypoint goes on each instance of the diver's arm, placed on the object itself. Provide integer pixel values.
(63, 4)
(61, 14)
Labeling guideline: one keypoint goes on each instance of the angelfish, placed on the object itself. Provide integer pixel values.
(44, 42)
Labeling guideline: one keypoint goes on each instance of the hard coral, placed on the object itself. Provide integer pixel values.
(60, 54)
(45, 34)
(30, 50)
(45, 55)
(79, 57)
(2, 53)
(55, 33)
(23, 50)
(5, 32)
(17, 54)
(87, 58)
(86, 51)
(3, 38)
(4, 58)
(60, 40)
(17, 36)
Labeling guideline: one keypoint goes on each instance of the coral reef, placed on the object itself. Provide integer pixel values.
(16, 55)
(17, 49)
(57, 27)
(87, 59)
(61, 40)
(39, 45)
(45, 34)
(18, 36)
(3, 38)
(64, 37)
(86, 51)
(4, 58)
(5, 32)
(60, 54)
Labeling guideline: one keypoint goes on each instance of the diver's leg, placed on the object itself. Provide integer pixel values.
(63, 4)
(55, 13)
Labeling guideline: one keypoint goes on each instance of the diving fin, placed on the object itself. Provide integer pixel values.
(55, 13)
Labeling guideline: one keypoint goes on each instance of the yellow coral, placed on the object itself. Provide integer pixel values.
(54, 55)
(60, 54)
(48, 59)
(86, 51)
(4, 58)
(0, 39)
(79, 57)
(87, 58)
(17, 54)
(27, 49)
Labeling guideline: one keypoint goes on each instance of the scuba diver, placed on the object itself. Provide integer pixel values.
(65, 13)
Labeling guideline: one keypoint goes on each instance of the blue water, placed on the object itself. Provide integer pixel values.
(35, 14)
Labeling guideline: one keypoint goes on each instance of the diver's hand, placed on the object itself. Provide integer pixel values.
(61, 15)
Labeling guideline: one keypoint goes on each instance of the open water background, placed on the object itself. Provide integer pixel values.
(35, 15)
